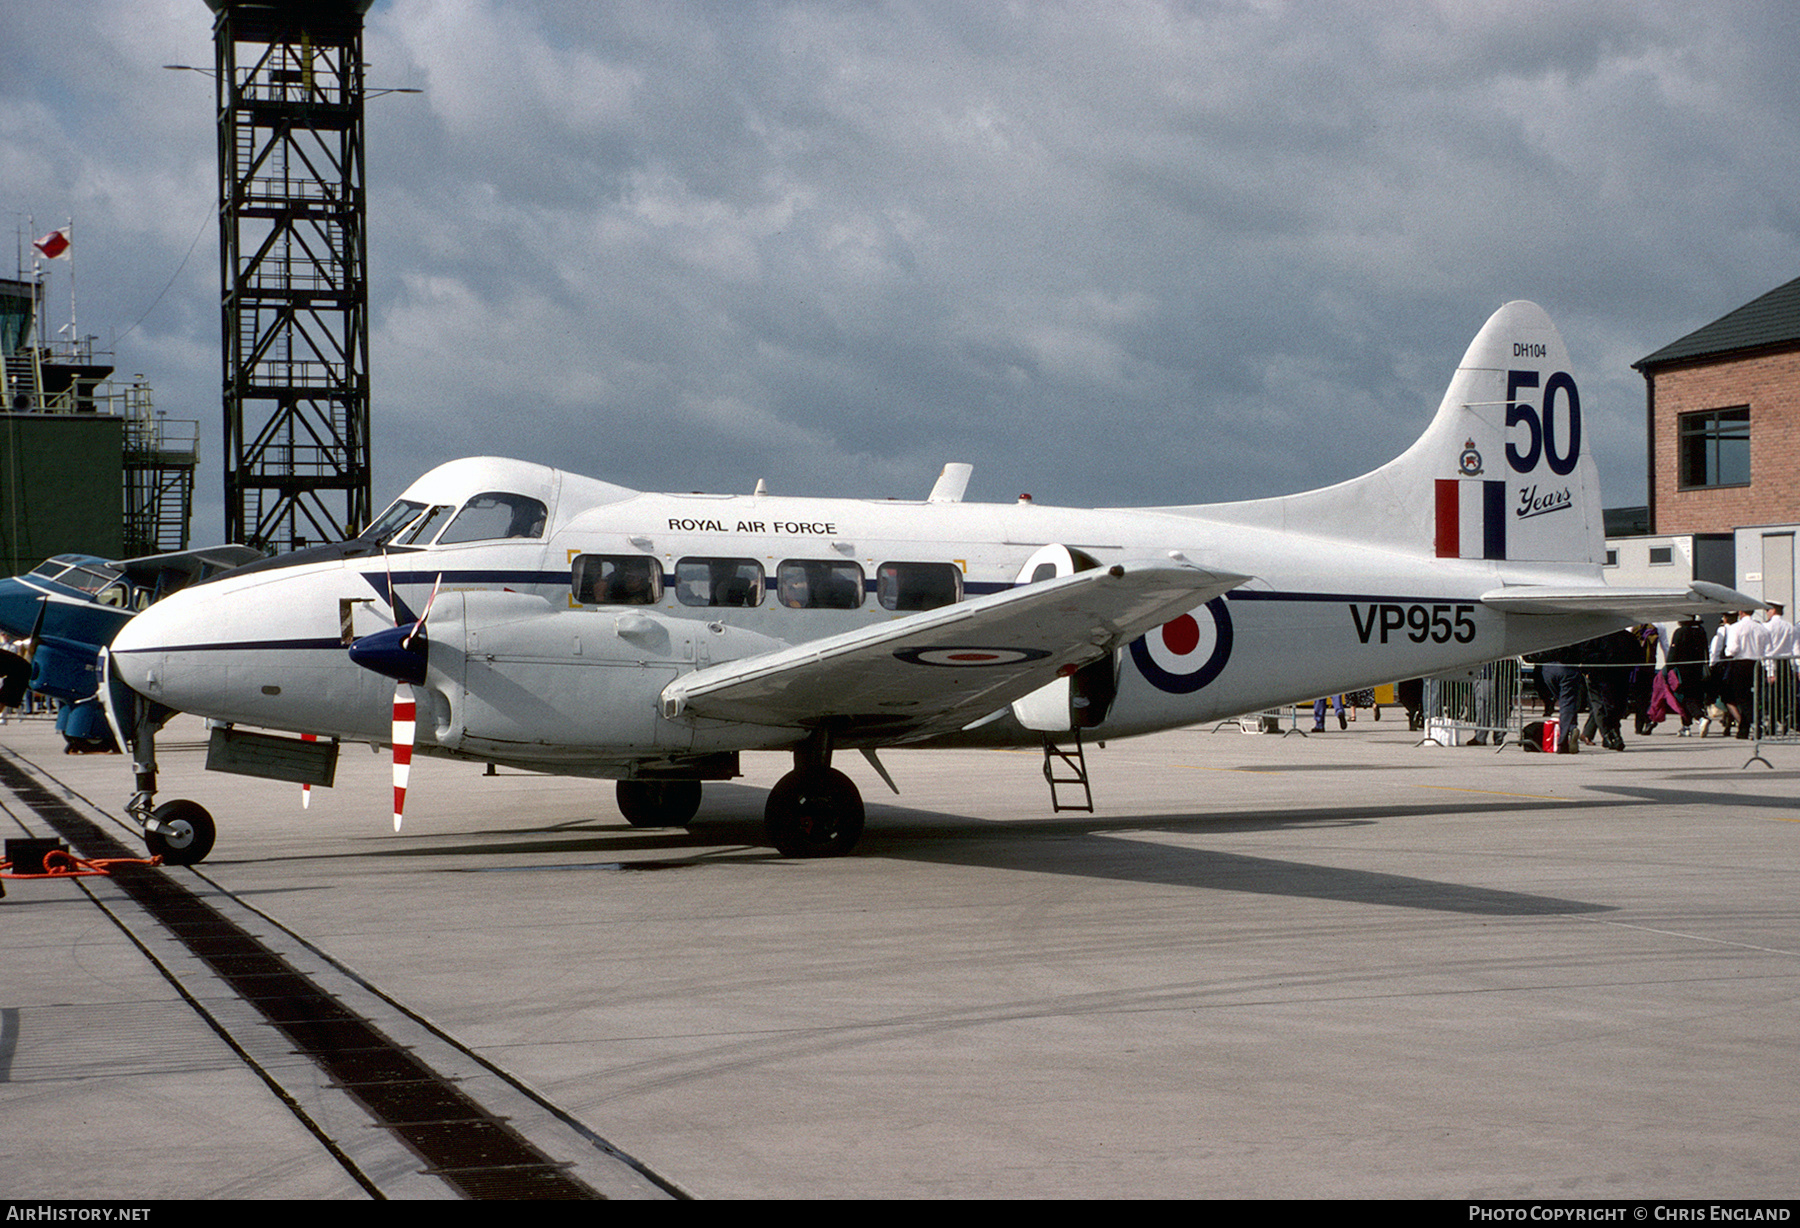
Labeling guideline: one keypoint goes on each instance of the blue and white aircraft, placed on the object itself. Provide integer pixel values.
(547, 621)
(69, 607)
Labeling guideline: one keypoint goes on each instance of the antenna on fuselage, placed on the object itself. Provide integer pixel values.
(951, 483)
(762, 488)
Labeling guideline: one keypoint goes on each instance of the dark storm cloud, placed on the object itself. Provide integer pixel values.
(1110, 252)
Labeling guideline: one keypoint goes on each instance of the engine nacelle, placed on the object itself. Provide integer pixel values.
(514, 677)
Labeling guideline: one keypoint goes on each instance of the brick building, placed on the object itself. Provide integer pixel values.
(1723, 414)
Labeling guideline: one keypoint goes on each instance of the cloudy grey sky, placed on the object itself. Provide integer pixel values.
(1112, 252)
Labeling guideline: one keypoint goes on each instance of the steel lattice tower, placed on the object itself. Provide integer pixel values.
(293, 269)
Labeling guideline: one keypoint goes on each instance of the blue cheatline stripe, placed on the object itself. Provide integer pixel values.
(310, 645)
(1493, 520)
(379, 579)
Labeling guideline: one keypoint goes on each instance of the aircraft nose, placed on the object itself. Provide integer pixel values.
(141, 647)
(19, 606)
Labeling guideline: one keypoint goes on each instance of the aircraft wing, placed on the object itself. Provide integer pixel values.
(938, 670)
(1630, 604)
(168, 572)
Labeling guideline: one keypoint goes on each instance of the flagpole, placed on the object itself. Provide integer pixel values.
(75, 354)
(37, 283)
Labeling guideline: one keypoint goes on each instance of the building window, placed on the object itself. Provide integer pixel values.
(1612, 557)
(1662, 556)
(1715, 448)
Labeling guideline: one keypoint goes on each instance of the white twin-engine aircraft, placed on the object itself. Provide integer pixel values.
(547, 621)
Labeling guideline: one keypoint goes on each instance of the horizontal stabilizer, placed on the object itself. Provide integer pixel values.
(1631, 604)
(937, 670)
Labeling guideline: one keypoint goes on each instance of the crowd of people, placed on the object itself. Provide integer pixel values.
(1742, 678)
(1652, 676)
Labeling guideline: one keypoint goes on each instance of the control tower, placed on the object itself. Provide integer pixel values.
(293, 269)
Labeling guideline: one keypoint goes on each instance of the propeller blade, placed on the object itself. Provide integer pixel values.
(37, 627)
(406, 712)
(387, 561)
(425, 613)
(306, 790)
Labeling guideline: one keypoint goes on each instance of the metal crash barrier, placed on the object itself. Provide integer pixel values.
(1276, 720)
(1474, 706)
(1776, 720)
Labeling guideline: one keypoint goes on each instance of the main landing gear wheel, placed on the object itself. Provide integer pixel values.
(814, 812)
(659, 803)
(185, 833)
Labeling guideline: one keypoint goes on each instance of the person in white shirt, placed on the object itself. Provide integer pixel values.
(1744, 649)
(1778, 635)
(1716, 670)
(1780, 643)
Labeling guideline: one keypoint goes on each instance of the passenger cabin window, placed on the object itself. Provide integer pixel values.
(729, 583)
(494, 516)
(918, 586)
(615, 579)
(818, 584)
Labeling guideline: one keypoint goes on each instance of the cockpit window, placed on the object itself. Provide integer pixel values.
(87, 579)
(400, 514)
(496, 515)
(421, 532)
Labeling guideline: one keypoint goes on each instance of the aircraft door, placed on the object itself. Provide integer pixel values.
(1082, 700)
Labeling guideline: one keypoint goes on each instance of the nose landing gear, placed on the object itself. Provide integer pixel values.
(180, 832)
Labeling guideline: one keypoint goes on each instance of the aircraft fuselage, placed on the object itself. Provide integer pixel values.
(526, 673)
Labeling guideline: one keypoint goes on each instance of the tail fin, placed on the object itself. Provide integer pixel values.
(1503, 472)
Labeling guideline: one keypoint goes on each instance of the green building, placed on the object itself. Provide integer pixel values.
(86, 466)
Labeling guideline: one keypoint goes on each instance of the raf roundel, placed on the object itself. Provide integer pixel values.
(971, 656)
(1186, 653)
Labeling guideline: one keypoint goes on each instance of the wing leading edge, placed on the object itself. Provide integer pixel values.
(938, 670)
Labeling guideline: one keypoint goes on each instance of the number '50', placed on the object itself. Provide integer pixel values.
(1543, 433)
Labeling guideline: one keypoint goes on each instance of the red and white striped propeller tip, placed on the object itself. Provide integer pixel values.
(306, 790)
(405, 726)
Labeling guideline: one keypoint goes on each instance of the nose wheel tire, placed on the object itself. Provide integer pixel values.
(184, 833)
(815, 812)
(658, 803)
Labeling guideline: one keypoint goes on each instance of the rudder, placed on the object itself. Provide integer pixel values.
(1502, 473)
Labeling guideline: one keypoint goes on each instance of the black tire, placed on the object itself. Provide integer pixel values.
(189, 835)
(659, 803)
(816, 813)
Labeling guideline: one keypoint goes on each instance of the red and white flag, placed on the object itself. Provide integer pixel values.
(55, 245)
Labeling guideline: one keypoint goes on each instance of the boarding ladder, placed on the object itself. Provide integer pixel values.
(1076, 764)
